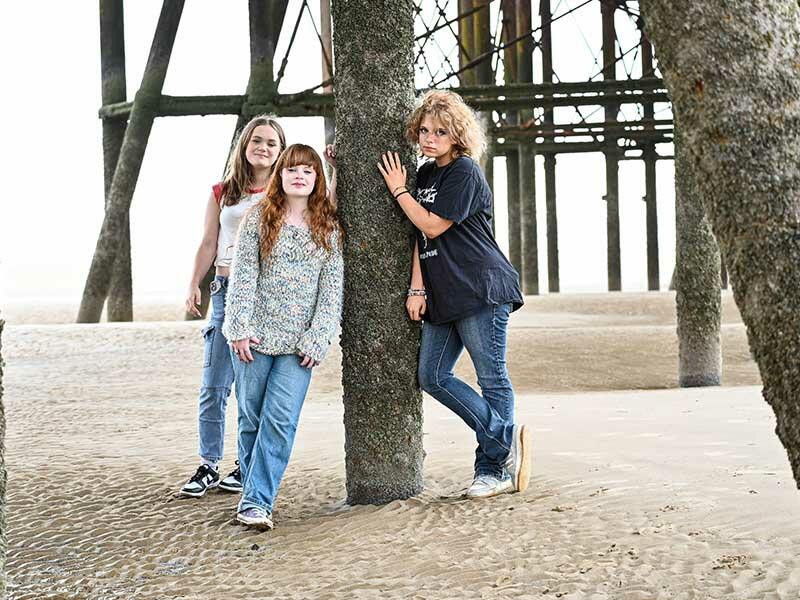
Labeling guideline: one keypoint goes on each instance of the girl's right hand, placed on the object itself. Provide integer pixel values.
(415, 305)
(241, 348)
(306, 361)
(192, 302)
(393, 171)
(330, 155)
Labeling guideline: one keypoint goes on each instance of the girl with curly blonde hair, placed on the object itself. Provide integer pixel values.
(284, 305)
(462, 286)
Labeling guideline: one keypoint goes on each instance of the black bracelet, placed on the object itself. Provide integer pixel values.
(403, 192)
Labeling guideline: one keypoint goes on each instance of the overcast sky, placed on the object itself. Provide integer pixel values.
(52, 157)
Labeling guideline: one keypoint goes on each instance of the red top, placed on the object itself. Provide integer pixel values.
(218, 188)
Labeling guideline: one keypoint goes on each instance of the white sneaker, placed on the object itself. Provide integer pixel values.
(255, 517)
(486, 486)
(519, 459)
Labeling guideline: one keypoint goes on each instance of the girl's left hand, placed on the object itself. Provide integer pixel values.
(393, 171)
(307, 361)
(415, 307)
(330, 155)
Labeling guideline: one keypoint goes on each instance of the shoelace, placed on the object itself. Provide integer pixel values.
(485, 479)
(201, 472)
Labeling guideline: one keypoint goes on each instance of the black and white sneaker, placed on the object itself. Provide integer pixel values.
(204, 479)
(233, 482)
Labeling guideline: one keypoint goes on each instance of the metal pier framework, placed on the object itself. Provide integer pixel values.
(498, 54)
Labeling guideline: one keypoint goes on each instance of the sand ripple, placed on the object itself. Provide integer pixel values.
(638, 495)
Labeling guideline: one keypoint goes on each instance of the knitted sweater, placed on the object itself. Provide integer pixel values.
(292, 301)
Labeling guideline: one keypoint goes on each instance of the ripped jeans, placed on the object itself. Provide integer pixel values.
(217, 378)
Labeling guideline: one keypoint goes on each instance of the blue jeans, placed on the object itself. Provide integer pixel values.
(270, 392)
(490, 415)
(217, 379)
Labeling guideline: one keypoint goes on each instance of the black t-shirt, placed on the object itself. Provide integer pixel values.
(464, 270)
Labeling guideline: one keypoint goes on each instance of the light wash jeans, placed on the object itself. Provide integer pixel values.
(217, 379)
(490, 415)
(270, 392)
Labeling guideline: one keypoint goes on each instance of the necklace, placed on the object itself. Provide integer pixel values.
(298, 220)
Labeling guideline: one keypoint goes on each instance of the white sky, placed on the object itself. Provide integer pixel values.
(52, 157)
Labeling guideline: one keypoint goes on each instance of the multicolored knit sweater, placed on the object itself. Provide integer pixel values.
(292, 300)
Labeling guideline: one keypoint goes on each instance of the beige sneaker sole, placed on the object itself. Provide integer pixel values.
(525, 447)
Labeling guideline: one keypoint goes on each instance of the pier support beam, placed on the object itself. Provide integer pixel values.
(382, 400)
(509, 32)
(553, 284)
(650, 157)
(611, 152)
(527, 161)
(126, 174)
(119, 303)
(697, 280)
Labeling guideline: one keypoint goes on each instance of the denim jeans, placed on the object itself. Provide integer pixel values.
(490, 415)
(217, 379)
(270, 392)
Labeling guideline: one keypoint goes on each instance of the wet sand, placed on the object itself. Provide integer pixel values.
(638, 492)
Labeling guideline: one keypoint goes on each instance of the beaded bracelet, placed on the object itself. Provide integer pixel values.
(417, 292)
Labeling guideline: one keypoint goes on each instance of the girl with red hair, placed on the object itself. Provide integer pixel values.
(284, 306)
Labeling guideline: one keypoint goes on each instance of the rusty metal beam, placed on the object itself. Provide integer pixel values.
(579, 148)
(466, 41)
(500, 98)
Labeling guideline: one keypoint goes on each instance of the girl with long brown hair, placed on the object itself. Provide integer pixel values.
(249, 167)
(284, 306)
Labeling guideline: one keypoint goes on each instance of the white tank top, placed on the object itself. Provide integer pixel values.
(229, 219)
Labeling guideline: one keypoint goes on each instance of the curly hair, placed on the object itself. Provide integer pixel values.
(458, 118)
(322, 217)
(239, 174)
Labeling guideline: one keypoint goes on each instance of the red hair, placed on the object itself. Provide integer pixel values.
(322, 217)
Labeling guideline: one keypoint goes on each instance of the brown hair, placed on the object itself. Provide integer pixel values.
(322, 218)
(459, 119)
(238, 172)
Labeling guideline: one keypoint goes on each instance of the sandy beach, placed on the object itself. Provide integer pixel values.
(640, 491)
